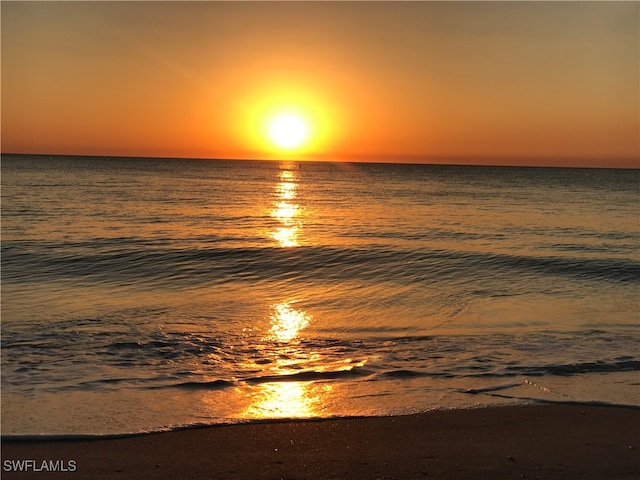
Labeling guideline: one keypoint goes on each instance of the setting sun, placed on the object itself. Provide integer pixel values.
(288, 121)
(288, 131)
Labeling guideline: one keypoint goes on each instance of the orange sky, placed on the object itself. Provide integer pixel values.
(462, 82)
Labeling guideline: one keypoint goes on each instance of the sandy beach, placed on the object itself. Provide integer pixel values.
(541, 441)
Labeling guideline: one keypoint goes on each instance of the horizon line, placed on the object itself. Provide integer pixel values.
(457, 160)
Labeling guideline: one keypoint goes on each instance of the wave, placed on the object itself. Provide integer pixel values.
(358, 373)
(576, 368)
(211, 385)
(519, 371)
(307, 376)
(133, 261)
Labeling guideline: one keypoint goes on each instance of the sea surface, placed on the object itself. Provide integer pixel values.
(143, 295)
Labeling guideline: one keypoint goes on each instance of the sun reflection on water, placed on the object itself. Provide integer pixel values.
(284, 397)
(286, 322)
(288, 400)
(285, 210)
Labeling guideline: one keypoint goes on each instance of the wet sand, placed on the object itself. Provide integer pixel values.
(514, 442)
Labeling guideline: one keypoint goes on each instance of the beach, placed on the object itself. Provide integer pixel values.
(534, 441)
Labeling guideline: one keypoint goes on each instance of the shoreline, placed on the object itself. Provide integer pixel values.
(513, 441)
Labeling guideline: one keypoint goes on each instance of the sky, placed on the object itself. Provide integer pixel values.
(522, 83)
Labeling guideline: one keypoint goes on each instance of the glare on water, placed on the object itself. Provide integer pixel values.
(287, 322)
(285, 211)
(288, 400)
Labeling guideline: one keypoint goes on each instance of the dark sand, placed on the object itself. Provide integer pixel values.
(544, 441)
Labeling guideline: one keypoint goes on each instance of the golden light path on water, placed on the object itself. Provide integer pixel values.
(276, 391)
(285, 210)
(286, 322)
(286, 398)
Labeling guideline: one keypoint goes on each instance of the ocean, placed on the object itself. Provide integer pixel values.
(143, 295)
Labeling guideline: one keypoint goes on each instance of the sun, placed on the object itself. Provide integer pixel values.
(286, 123)
(288, 131)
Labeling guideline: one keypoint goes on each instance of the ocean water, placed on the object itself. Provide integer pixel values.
(149, 294)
